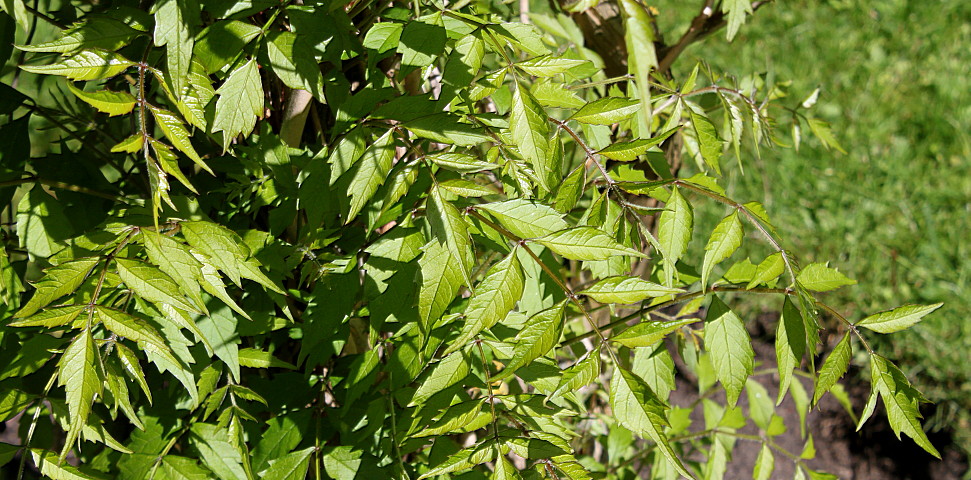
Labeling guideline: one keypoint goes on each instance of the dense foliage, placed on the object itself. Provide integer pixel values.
(452, 243)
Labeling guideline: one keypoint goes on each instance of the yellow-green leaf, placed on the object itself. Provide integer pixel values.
(106, 101)
(626, 290)
(85, 65)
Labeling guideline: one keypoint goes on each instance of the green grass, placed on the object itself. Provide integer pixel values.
(895, 211)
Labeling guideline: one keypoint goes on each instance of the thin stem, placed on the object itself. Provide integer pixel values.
(65, 186)
(589, 152)
(492, 393)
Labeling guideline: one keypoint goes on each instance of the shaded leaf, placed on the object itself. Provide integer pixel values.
(730, 348)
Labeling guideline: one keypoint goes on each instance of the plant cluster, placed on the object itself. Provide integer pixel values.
(399, 240)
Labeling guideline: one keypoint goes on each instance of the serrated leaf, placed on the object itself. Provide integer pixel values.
(833, 368)
(466, 188)
(169, 163)
(901, 401)
(97, 32)
(131, 365)
(78, 373)
(227, 252)
(253, 358)
(220, 328)
(174, 259)
(292, 466)
(768, 270)
(173, 22)
(641, 56)
(85, 65)
(464, 459)
(51, 318)
(440, 282)
(736, 10)
(446, 128)
(674, 231)
(730, 348)
(548, 66)
(607, 111)
(372, 171)
(585, 243)
(61, 280)
(54, 468)
(131, 144)
(900, 318)
(764, 464)
(460, 162)
(216, 452)
(132, 328)
(708, 142)
(648, 334)
(294, 63)
(626, 290)
(449, 228)
(422, 40)
(578, 375)
(454, 419)
(151, 283)
(106, 101)
(790, 344)
(639, 410)
(724, 240)
(447, 372)
(571, 189)
(820, 278)
(530, 131)
(173, 467)
(629, 151)
(525, 218)
(824, 133)
(173, 129)
(239, 104)
(539, 335)
(383, 36)
(494, 297)
(555, 94)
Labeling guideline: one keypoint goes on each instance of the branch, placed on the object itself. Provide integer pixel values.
(707, 21)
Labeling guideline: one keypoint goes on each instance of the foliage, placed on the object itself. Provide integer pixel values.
(449, 246)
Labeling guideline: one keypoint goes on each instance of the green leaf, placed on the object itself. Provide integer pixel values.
(580, 374)
(447, 372)
(539, 335)
(649, 333)
(175, 260)
(764, 464)
(42, 224)
(294, 63)
(441, 279)
(725, 239)
(239, 104)
(530, 131)
(900, 318)
(901, 401)
(446, 128)
(106, 101)
(790, 344)
(585, 243)
(173, 129)
(460, 162)
(131, 144)
(54, 468)
(151, 283)
(173, 22)
(570, 191)
(464, 459)
(524, 36)
(820, 278)
(639, 410)
(449, 228)
(708, 141)
(524, 218)
(78, 372)
(383, 36)
(547, 66)
(226, 250)
(555, 94)
(51, 318)
(131, 365)
(216, 452)
(641, 56)
(494, 297)
(253, 358)
(422, 40)
(626, 290)
(629, 151)
(96, 32)
(607, 111)
(736, 10)
(13, 402)
(372, 171)
(220, 328)
(674, 231)
(824, 133)
(292, 466)
(730, 348)
(455, 418)
(466, 188)
(61, 280)
(768, 270)
(173, 467)
(85, 65)
(133, 328)
(833, 368)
